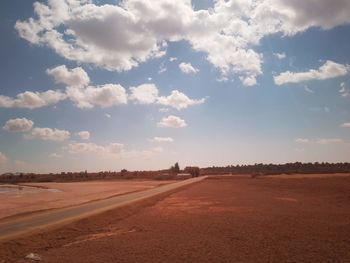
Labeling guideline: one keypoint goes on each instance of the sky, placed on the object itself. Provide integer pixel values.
(141, 84)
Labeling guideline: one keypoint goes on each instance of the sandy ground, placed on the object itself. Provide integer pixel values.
(41, 196)
(217, 220)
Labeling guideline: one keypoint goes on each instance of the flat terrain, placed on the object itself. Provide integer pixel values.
(16, 199)
(11, 228)
(228, 219)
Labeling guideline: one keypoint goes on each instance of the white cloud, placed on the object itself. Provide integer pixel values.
(84, 135)
(3, 158)
(172, 122)
(103, 96)
(178, 100)
(280, 55)
(328, 70)
(32, 100)
(148, 94)
(172, 59)
(108, 35)
(55, 155)
(74, 77)
(307, 89)
(162, 139)
(164, 110)
(346, 125)
(248, 81)
(144, 94)
(18, 125)
(302, 140)
(92, 148)
(344, 92)
(120, 37)
(48, 134)
(187, 68)
(322, 141)
(300, 15)
(108, 115)
(329, 141)
(162, 68)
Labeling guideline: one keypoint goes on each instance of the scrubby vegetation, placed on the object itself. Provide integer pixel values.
(192, 171)
(288, 168)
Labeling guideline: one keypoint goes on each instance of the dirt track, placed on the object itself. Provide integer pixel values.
(17, 226)
(43, 196)
(217, 220)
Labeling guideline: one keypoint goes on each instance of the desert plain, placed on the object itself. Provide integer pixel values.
(219, 219)
(33, 197)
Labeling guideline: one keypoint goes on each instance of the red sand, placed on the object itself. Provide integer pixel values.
(43, 196)
(217, 220)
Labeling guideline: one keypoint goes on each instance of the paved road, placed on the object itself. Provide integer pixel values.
(37, 221)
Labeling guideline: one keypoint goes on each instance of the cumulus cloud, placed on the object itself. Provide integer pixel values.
(187, 68)
(92, 148)
(84, 135)
(344, 92)
(3, 158)
(346, 125)
(32, 100)
(103, 96)
(18, 125)
(148, 94)
(302, 140)
(280, 55)
(162, 139)
(121, 36)
(108, 36)
(179, 100)
(172, 122)
(300, 15)
(48, 134)
(144, 94)
(328, 70)
(248, 81)
(73, 77)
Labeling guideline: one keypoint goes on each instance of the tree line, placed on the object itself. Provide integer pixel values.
(287, 168)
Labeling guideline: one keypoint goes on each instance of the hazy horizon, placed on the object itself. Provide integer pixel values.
(140, 85)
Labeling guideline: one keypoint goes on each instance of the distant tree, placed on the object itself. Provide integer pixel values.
(175, 169)
(194, 171)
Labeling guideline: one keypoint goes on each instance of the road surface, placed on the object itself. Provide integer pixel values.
(9, 228)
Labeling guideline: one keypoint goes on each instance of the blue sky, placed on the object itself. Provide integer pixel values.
(150, 83)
